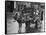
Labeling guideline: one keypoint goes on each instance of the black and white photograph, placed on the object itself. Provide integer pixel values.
(24, 17)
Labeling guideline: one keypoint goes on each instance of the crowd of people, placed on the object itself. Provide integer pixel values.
(30, 19)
